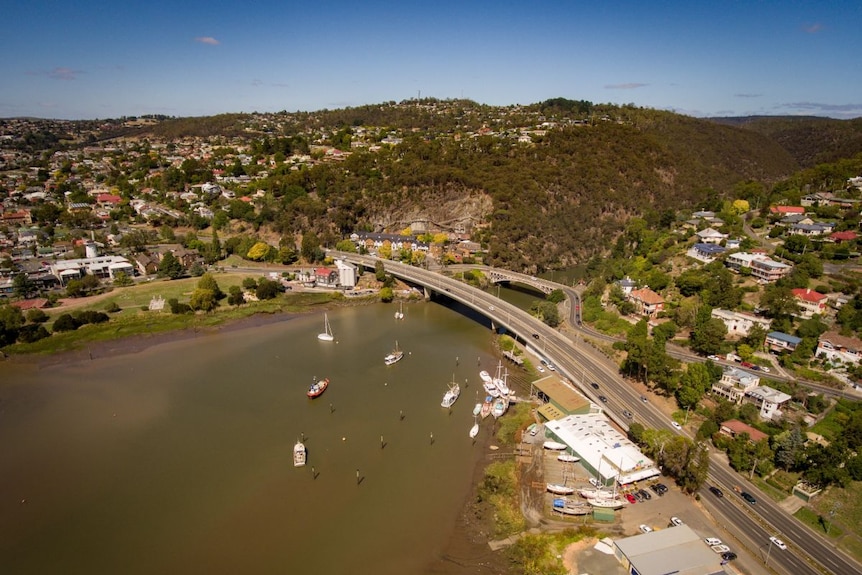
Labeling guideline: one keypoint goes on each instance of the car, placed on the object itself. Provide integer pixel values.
(645, 528)
(594, 385)
(747, 364)
(660, 488)
(595, 482)
(748, 497)
(536, 336)
(631, 498)
(540, 369)
(551, 367)
(712, 541)
(628, 413)
(713, 357)
(490, 308)
(728, 555)
(676, 521)
(637, 496)
(716, 491)
(764, 369)
(643, 398)
(603, 399)
(645, 494)
(756, 367)
(778, 543)
(676, 425)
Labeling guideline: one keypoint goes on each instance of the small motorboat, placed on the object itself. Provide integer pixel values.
(318, 387)
(299, 454)
(554, 445)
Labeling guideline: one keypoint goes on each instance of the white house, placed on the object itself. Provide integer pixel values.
(711, 236)
(836, 347)
(740, 323)
(734, 384)
(768, 400)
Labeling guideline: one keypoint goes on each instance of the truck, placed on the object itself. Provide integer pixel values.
(733, 357)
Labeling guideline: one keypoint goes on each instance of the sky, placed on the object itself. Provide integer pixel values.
(97, 59)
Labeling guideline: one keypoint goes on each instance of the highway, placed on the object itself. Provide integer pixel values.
(581, 364)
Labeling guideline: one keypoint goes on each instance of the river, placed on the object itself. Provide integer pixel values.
(177, 459)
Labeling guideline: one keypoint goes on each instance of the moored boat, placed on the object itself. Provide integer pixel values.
(474, 431)
(477, 409)
(299, 454)
(485, 376)
(327, 331)
(487, 405)
(318, 387)
(400, 313)
(451, 395)
(395, 356)
(554, 445)
(501, 404)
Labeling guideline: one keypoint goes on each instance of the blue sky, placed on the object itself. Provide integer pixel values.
(107, 59)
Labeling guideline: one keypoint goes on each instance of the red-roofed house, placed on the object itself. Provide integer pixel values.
(810, 302)
(786, 210)
(847, 236)
(734, 427)
(326, 276)
(646, 301)
(108, 200)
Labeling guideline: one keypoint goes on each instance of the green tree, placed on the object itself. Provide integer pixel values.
(708, 336)
(208, 282)
(11, 321)
(122, 279)
(267, 289)
(310, 247)
(36, 315)
(202, 300)
(258, 252)
(170, 267)
(235, 296)
(22, 286)
(386, 295)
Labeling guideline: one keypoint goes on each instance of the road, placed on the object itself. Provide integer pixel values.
(582, 364)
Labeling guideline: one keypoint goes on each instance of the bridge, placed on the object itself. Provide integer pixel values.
(497, 276)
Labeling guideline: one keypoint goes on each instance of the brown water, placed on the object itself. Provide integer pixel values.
(178, 459)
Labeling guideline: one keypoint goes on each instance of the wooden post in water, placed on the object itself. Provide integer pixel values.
(402, 415)
(357, 477)
(381, 442)
(432, 438)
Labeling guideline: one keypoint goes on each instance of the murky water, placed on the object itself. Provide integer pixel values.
(178, 459)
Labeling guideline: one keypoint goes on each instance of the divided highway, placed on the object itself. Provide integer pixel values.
(582, 365)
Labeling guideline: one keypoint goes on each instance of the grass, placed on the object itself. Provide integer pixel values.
(818, 523)
(846, 504)
(535, 554)
(500, 488)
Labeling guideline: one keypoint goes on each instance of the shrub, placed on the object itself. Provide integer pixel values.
(66, 323)
(36, 315)
(113, 307)
(32, 332)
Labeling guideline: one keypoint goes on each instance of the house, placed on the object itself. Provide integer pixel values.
(326, 277)
(810, 302)
(739, 323)
(627, 284)
(848, 236)
(705, 252)
(784, 210)
(146, 264)
(778, 341)
(761, 266)
(734, 383)
(838, 348)
(711, 236)
(734, 427)
(646, 301)
(815, 229)
(768, 400)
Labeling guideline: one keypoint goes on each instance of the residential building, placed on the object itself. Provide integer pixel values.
(711, 236)
(810, 302)
(326, 277)
(647, 302)
(734, 427)
(768, 400)
(784, 210)
(705, 253)
(815, 229)
(101, 267)
(847, 236)
(739, 323)
(734, 383)
(778, 341)
(761, 266)
(627, 284)
(836, 347)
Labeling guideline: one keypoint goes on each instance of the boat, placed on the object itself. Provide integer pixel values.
(485, 376)
(501, 404)
(499, 380)
(558, 489)
(607, 502)
(474, 431)
(568, 458)
(451, 395)
(395, 356)
(593, 493)
(478, 409)
(400, 313)
(318, 387)
(327, 331)
(491, 389)
(567, 507)
(487, 405)
(554, 445)
(299, 454)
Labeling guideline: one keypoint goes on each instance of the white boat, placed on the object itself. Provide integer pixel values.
(477, 409)
(400, 313)
(395, 356)
(501, 404)
(474, 431)
(568, 458)
(554, 445)
(593, 493)
(451, 395)
(568, 507)
(606, 502)
(299, 454)
(560, 489)
(499, 380)
(327, 331)
(485, 376)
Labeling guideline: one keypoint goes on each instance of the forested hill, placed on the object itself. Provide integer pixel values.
(810, 140)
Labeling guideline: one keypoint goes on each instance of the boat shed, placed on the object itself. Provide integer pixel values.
(604, 451)
(558, 398)
(678, 550)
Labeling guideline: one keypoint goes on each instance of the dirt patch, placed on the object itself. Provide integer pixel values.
(570, 554)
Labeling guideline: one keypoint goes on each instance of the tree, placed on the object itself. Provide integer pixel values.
(22, 286)
(122, 279)
(202, 299)
(235, 296)
(267, 289)
(66, 323)
(386, 295)
(208, 282)
(170, 267)
(11, 321)
(546, 311)
(258, 252)
(310, 247)
(708, 337)
(36, 315)
(790, 449)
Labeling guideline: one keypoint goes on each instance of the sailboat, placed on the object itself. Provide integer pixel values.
(327, 331)
(400, 313)
(395, 356)
(451, 394)
(474, 431)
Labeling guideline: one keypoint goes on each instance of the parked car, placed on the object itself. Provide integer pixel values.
(728, 556)
(748, 497)
(631, 498)
(594, 385)
(645, 528)
(676, 521)
(638, 496)
(716, 491)
(713, 357)
(778, 543)
(659, 488)
(645, 494)
(764, 368)
(747, 364)
(720, 548)
(712, 541)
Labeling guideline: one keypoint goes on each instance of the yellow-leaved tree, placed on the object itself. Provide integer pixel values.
(741, 206)
(258, 251)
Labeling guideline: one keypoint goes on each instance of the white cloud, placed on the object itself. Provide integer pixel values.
(207, 40)
(629, 86)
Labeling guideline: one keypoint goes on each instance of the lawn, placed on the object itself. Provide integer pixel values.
(846, 504)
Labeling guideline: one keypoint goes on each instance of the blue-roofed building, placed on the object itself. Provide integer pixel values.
(778, 341)
(705, 252)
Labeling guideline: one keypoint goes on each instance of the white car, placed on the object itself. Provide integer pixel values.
(778, 543)
(645, 528)
(676, 426)
(713, 357)
(764, 369)
(676, 521)
(712, 541)
(540, 369)
(595, 482)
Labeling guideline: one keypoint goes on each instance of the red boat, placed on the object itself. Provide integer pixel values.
(318, 387)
